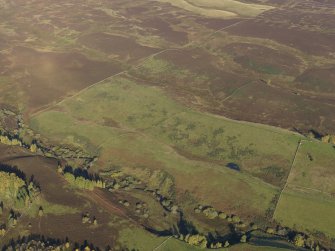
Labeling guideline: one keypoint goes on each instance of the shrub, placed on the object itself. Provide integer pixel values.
(243, 239)
(226, 244)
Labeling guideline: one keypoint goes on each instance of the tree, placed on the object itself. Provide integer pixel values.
(59, 169)
(222, 215)
(85, 218)
(236, 219)
(67, 245)
(326, 139)
(2, 231)
(12, 221)
(33, 148)
(243, 238)
(226, 244)
(270, 230)
(40, 212)
(299, 240)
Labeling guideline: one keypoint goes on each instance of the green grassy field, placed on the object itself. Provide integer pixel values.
(314, 167)
(139, 152)
(148, 111)
(307, 211)
(171, 244)
(307, 203)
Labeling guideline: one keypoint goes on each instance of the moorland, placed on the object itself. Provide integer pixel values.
(167, 124)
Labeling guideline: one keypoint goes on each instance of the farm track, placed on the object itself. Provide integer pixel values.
(97, 196)
(160, 245)
(236, 90)
(16, 158)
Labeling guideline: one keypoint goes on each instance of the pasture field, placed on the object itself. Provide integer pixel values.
(314, 167)
(310, 190)
(306, 210)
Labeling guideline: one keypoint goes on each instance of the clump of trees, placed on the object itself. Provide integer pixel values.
(81, 179)
(15, 140)
(141, 208)
(165, 202)
(197, 240)
(210, 213)
(125, 203)
(14, 187)
(328, 139)
(35, 242)
(303, 241)
(87, 219)
(9, 140)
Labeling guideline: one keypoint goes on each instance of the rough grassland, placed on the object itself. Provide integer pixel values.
(127, 148)
(148, 110)
(147, 135)
(223, 9)
(138, 127)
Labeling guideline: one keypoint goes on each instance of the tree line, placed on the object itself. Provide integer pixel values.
(80, 178)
